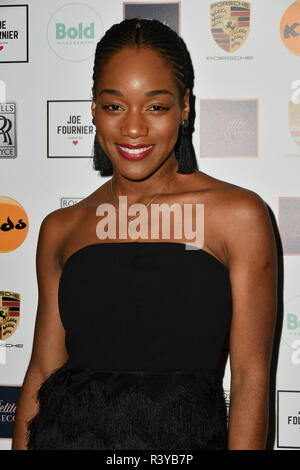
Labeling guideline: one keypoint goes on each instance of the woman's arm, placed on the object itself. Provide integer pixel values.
(48, 351)
(252, 258)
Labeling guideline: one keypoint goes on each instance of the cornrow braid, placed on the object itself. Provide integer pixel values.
(137, 33)
(155, 35)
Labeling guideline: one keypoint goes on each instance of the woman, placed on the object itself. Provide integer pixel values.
(130, 335)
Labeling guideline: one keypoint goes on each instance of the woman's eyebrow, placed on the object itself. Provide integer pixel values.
(159, 92)
(148, 93)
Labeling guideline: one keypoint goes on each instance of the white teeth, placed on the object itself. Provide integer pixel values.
(135, 151)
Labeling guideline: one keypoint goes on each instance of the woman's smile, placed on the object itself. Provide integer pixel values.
(134, 152)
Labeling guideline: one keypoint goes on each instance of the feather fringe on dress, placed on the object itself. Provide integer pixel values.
(87, 409)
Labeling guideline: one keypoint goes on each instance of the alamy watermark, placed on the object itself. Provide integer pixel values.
(188, 222)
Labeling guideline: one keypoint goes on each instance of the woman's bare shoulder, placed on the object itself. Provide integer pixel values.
(65, 218)
(231, 211)
(228, 195)
(57, 225)
(64, 226)
(60, 220)
(240, 218)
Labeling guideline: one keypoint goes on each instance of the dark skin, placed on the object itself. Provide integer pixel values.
(238, 232)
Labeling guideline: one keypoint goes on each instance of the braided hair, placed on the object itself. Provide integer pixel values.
(155, 35)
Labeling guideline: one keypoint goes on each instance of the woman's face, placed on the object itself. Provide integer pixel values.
(137, 103)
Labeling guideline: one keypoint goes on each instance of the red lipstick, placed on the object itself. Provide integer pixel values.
(134, 152)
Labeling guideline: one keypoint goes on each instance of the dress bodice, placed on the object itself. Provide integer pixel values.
(145, 306)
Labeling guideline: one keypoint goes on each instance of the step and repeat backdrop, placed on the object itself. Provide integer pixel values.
(247, 132)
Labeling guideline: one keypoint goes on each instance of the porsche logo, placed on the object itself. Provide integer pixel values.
(230, 23)
(9, 313)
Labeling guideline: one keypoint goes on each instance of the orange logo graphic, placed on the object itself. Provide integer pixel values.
(290, 28)
(13, 224)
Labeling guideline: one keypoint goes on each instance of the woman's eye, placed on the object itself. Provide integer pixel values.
(116, 107)
(111, 107)
(159, 108)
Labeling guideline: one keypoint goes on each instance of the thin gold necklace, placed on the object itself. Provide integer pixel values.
(132, 218)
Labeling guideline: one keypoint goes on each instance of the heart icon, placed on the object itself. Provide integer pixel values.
(75, 142)
(1, 47)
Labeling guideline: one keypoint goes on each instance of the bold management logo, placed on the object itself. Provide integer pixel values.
(73, 32)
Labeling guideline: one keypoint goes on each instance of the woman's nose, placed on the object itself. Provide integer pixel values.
(134, 125)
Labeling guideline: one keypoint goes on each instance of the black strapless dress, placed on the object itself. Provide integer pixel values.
(146, 325)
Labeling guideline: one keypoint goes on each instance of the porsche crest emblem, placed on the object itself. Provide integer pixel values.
(9, 313)
(230, 23)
